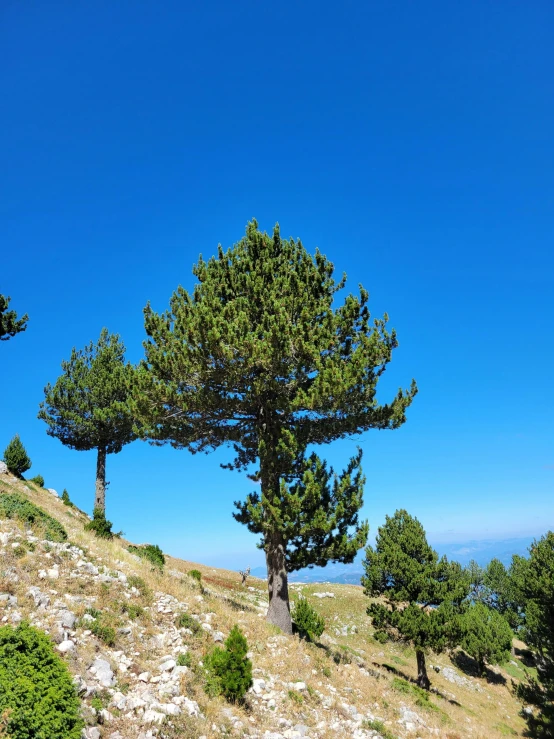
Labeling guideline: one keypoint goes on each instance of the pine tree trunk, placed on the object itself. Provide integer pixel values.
(278, 612)
(422, 677)
(100, 497)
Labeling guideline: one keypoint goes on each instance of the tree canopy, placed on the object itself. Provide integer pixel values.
(423, 594)
(487, 636)
(88, 406)
(10, 324)
(259, 357)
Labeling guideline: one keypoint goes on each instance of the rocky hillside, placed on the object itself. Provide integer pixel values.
(134, 638)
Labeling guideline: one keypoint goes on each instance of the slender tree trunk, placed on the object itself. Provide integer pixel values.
(422, 677)
(100, 497)
(278, 612)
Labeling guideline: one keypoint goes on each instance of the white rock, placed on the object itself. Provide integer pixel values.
(101, 669)
(66, 646)
(144, 677)
(206, 627)
(153, 717)
(3, 468)
(258, 685)
(168, 665)
(54, 492)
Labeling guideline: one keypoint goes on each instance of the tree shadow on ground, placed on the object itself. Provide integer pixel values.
(469, 666)
(410, 679)
(526, 656)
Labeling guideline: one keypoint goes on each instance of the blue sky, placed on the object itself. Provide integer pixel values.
(412, 143)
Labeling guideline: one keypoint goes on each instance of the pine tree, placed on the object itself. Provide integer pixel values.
(423, 594)
(533, 582)
(10, 324)
(16, 458)
(487, 636)
(258, 357)
(88, 406)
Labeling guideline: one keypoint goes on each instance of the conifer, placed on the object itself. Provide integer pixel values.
(10, 324)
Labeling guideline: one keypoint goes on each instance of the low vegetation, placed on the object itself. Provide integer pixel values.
(16, 506)
(229, 671)
(150, 552)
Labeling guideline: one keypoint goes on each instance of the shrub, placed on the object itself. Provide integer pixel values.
(307, 620)
(100, 525)
(186, 621)
(132, 610)
(14, 505)
(65, 498)
(183, 660)
(36, 689)
(229, 671)
(38, 480)
(487, 636)
(103, 631)
(134, 581)
(196, 575)
(150, 552)
(16, 458)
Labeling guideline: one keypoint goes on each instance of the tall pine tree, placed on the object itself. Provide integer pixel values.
(88, 406)
(10, 324)
(422, 594)
(258, 357)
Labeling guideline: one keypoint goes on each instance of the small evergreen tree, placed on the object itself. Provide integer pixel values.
(487, 636)
(66, 499)
(260, 357)
(36, 688)
(229, 670)
(10, 324)
(16, 458)
(88, 406)
(423, 594)
(307, 620)
(533, 583)
(38, 480)
(100, 525)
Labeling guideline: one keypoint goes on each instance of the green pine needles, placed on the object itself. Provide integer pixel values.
(10, 324)
(99, 524)
(307, 620)
(487, 636)
(150, 552)
(229, 671)
(88, 406)
(262, 356)
(16, 458)
(36, 688)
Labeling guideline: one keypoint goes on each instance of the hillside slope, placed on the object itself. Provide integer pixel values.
(114, 620)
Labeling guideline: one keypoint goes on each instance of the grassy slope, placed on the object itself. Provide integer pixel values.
(351, 668)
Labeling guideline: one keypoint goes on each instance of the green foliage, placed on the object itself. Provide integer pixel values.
(132, 610)
(65, 499)
(101, 527)
(14, 505)
(307, 620)
(229, 670)
(134, 581)
(10, 324)
(487, 636)
(184, 660)
(296, 697)
(261, 357)
(36, 687)
(533, 583)
(186, 621)
(38, 480)
(379, 727)
(150, 552)
(423, 594)
(196, 575)
(103, 631)
(16, 458)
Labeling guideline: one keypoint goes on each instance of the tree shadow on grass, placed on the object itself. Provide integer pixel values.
(410, 679)
(469, 667)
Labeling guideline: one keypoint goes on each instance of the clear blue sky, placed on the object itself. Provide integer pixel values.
(413, 143)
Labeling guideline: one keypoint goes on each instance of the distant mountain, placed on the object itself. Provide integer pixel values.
(463, 552)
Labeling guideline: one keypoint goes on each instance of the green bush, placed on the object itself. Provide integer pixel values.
(150, 552)
(100, 525)
(307, 620)
(16, 458)
(229, 671)
(183, 660)
(134, 581)
(14, 505)
(38, 480)
(132, 610)
(185, 621)
(65, 498)
(103, 631)
(36, 688)
(196, 575)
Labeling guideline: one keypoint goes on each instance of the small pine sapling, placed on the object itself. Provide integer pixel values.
(65, 498)
(307, 620)
(229, 671)
(38, 480)
(100, 525)
(16, 458)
